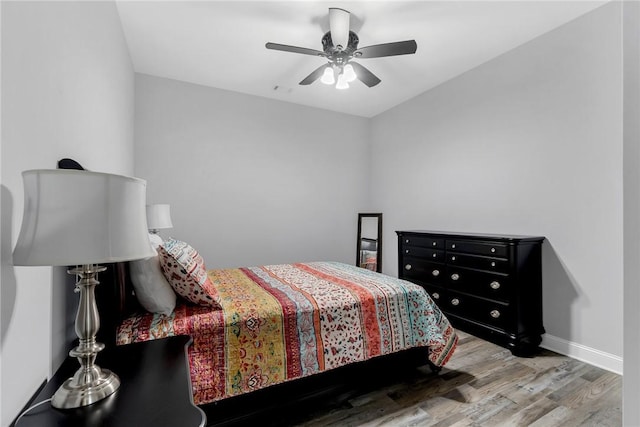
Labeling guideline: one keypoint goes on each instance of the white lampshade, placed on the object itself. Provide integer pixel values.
(328, 77)
(342, 82)
(159, 217)
(74, 217)
(349, 73)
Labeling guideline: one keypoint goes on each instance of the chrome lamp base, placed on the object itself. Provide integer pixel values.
(89, 384)
(74, 394)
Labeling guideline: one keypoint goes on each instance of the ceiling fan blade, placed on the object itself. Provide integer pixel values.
(315, 75)
(339, 26)
(387, 49)
(364, 75)
(295, 49)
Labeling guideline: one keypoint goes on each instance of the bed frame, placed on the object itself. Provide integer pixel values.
(275, 405)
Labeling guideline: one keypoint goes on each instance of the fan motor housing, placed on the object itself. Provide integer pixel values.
(330, 49)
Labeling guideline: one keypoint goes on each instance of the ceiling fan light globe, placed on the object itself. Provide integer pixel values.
(327, 77)
(342, 82)
(349, 73)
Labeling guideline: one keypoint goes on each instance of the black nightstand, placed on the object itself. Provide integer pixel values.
(155, 390)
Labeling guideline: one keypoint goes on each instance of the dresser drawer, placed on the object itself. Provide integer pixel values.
(423, 241)
(488, 285)
(435, 255)
(478, 262)
(486, 312)
(478, 248)
(423, 271)
(438, 295)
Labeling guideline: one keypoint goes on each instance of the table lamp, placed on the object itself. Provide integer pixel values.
(158, 218)
(80, 218)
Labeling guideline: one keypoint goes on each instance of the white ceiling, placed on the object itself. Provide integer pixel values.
(221, 43)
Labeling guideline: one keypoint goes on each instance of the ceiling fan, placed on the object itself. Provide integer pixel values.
(340, 48)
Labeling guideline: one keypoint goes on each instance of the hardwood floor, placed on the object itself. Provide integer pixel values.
(484, 385)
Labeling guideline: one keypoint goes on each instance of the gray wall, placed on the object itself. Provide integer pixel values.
(250, 180)
(67, 91)
(527, 143)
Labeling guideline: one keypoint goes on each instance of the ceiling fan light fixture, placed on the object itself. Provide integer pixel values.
(342, 82)
(339, 47)
(328, 77)
(349, 73)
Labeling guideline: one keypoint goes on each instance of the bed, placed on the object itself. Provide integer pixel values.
(283, 336)
(315, 323)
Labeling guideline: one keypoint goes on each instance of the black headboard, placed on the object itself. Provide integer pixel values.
(69, 164)
(116, 300)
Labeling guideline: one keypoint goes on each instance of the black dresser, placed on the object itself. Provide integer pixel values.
(488, 285)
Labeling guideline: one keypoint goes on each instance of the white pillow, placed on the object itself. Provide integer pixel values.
(155, 241)
(153, 291)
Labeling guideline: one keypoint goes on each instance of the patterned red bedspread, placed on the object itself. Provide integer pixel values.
(281, 322)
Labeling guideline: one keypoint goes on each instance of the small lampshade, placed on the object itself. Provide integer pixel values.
(74, 217)
(159, 217)
(349, 73)
(327, 76)
(342, 82)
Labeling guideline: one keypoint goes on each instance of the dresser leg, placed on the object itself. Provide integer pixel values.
(526, 347)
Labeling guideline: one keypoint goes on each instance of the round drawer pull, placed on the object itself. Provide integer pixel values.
(453, 258)
(493, 250)
(407, 267)
(406, 241)
(435, 273)
(435, 255)
(493, 263)
(494, 285)
(406, 251)
(433, 244)
(435, 295)
(453, 246)
(455, 276)
(455, 301)
(495, 314)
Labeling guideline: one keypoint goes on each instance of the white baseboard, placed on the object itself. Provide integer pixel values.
(598, 358)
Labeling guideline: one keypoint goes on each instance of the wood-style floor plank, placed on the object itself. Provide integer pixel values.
(485, 385)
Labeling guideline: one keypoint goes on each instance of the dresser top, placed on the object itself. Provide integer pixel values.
(475, 236)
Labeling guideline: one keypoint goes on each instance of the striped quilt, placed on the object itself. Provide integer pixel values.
(281, 322)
